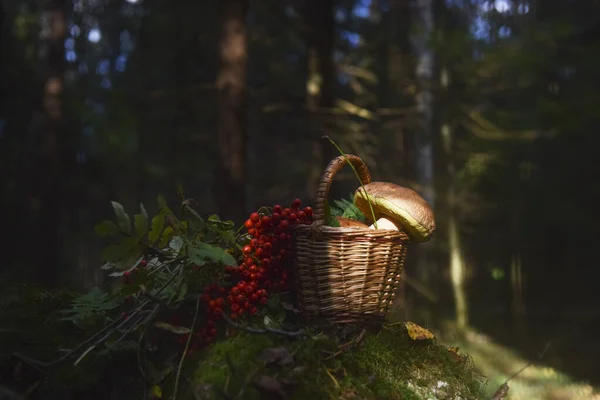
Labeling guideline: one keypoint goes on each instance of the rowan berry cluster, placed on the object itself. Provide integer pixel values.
(264, 266)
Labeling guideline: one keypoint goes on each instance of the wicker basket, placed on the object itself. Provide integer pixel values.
(346, 275)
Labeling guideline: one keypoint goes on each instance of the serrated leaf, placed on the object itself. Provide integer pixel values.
(166, 237)
(158, 223)
(199, 252)
(162, 203)
(112, 253)
(179, 330)
(106, 228)
(183, 225)
(129, 266)
(132, 258)
(143, 211)
(141, 225)
(196, 221)
(123, 220)
(92, 303)
(140, 221)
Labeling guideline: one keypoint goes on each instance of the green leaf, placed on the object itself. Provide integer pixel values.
(112, 253)
(162, 204)
(166, 237)
(141, 225)
(143, 211)
(180, 191)
(329, 218)
(132, 251)
(158, 223)
(141, 222)
(196, 221)
(200, 252)
(106, 228)
(182, 291)
(123, 219)
(94, 303)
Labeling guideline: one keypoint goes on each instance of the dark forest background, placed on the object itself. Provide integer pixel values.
(490, 109)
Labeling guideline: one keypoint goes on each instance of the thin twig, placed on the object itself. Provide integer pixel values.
(344, 348)
(43, 364)
(127, 331)
(187, 345)
(248, 329)
(110, 332)
(502, 391)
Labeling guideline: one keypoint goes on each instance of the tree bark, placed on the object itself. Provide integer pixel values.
(230, 185)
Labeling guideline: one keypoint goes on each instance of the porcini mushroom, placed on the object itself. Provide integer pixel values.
(397, 206)
(349, 222)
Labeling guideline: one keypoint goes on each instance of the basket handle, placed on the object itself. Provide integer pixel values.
(326, 179)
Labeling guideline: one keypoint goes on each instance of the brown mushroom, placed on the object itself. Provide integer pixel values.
(400, 205)
(349, 222)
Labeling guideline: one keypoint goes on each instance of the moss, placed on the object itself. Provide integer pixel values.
(32, 327)
(385, 365)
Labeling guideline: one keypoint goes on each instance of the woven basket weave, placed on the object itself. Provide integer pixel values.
(346, 275)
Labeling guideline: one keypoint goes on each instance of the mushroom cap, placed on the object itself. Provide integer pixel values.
(400, 204)
(348, 223)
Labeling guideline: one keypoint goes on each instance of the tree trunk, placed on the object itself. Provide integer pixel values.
(455, 250)
(423, 143)
(230, 185)
(394, 56)
(45, 183)
(320, 86)
(422, 256)
(447, 169)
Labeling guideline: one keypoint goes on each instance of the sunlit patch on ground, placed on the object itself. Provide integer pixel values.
(537, 382)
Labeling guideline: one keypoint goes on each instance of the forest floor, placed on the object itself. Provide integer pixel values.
(498, 362)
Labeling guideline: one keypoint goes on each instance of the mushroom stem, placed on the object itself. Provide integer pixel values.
(384, 223)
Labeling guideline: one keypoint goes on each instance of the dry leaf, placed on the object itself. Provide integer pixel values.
(156, 392)
(454, 352)
(417, 332)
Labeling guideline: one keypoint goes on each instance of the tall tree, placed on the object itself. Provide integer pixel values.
(422, 146)
(45, 179)
(447, 182)
(230, 184)
(320, 39)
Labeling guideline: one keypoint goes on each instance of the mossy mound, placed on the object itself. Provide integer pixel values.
(384, 365)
